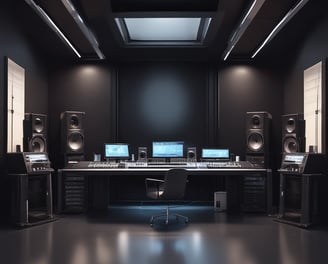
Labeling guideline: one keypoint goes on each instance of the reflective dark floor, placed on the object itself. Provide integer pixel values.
(123, 235)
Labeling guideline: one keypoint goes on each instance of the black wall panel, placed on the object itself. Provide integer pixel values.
(162, 101)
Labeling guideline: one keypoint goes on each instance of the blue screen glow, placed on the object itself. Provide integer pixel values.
(168, 149)
(215, 154)
(116, 151)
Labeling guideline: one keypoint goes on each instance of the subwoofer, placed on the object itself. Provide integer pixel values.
(72, 133)
(142, 154)
(258, 133)
(191, 154)
(293, 133)
(35, 133)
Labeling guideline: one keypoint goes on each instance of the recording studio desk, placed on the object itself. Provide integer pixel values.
(77, 192)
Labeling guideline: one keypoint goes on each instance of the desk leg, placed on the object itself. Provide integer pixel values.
(306, 194)
(269, 191)
(49, 196)
(59, 200)
(282, 196)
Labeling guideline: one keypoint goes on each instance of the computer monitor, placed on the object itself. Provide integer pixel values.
(116, 151)
(167, 149)
(218, 154)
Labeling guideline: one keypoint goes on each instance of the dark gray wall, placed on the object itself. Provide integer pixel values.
(164, 101)
(311, 51)
(86, 88)
(248, 88)
(15, 45)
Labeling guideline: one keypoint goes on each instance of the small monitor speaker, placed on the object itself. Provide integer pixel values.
(142, 154)
(192, 154)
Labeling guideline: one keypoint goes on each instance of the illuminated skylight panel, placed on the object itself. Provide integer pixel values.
(163, 29)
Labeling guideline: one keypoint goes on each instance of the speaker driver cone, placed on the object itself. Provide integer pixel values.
(142, 154)
(38, 144)
(255, 141)
(290, 145)
(75, 141)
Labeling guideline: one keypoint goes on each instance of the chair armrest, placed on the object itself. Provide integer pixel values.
(154, 180)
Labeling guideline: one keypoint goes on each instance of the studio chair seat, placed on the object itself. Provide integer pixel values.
(171, 188)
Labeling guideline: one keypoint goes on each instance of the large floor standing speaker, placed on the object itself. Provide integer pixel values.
(293, 133)
(258, 138)
(35, 133)
(72, 136)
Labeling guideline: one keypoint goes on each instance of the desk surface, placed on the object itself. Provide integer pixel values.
(195, 171)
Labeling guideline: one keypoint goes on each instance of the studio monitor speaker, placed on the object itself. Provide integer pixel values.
(142, 154)
(72, 133)
(35, 132)
(191, 154)
(258, 134)
(293, 133)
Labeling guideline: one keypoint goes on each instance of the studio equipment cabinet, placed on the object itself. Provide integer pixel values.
(29, 179)
(300, 177)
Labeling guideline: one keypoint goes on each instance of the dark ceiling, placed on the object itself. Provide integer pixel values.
(226, 15)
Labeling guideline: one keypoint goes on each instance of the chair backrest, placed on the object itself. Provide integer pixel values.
(175, 184)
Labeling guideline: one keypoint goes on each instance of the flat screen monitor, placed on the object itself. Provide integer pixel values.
(168, 149)
(116, 151)
(210, 153)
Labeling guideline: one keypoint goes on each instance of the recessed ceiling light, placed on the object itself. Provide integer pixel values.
(163, 31)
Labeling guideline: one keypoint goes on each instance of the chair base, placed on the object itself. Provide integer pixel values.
(167, 215)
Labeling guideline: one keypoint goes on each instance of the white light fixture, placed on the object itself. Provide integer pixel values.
(163, 30)
(52, 25)
(243, 25)
(291, 13)
(85, 30)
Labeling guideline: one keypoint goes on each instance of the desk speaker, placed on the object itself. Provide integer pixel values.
(142, 154)
(35, 133)
(192, 154)
(293, 133)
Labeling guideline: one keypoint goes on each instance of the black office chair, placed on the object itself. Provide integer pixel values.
(171, 188)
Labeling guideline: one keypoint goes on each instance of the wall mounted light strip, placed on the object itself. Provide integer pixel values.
(291, 13)
(85, 30)
(243, 25)
(51, 24)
